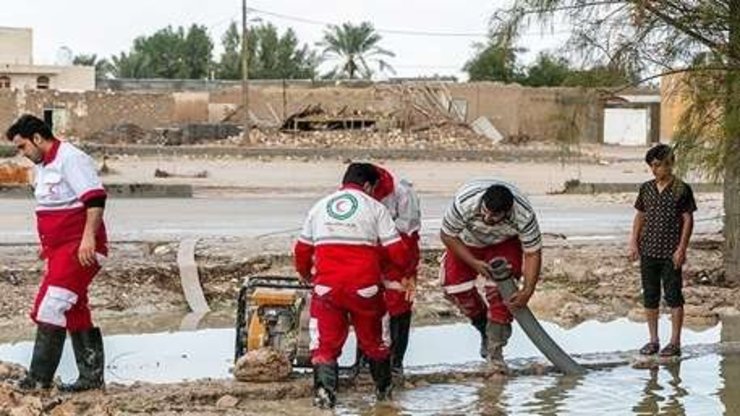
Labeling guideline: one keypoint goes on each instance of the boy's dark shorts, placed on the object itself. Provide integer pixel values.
(656, 271)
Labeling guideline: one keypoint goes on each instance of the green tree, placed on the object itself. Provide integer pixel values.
(271, 55)
(230, 65)
(168, 53)
(665, 36)
(598, 76)
(131, 65)
(494, 61)
(354, 48)
(547, 71)
(197, 49)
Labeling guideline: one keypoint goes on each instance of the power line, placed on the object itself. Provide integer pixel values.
(380, 30)
(403, 32)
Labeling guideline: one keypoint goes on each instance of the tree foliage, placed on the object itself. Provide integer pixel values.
(230, 64)
(355, 49)
(168, 53)
(494, 62)
(547, 70)
(274, 56)
(499, 62)
(271, 55)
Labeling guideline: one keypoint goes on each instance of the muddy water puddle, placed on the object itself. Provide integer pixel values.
(174, 356)
(705, 385)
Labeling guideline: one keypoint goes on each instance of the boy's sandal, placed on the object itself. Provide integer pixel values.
(650, 348)
(670, 350)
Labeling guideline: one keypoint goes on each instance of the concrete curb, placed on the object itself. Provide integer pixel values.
(115, 190)
(616, 187)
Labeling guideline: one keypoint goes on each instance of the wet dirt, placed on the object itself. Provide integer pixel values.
(580, 281)
(706, 369)
(140, 285)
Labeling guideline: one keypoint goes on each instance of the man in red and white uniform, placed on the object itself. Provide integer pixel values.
(399, 196)
(70, 200)
(346, 239)
(487, 219)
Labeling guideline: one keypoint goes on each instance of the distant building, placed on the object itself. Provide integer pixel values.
(18, 72)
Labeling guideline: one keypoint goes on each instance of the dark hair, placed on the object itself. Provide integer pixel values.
(659, 152)
(498, 199)
(360, 173)
(26, 126)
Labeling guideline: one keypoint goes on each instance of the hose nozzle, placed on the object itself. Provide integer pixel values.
(501, 269)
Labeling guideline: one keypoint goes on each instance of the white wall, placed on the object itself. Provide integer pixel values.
(16, 46)
(626, 126)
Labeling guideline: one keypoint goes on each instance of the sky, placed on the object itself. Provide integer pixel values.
(106, 27)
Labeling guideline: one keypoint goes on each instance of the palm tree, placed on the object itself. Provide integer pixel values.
(355, 47)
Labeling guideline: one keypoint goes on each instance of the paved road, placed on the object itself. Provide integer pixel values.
(156, 219)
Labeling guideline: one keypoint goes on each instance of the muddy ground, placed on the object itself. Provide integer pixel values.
(139, 288)
(579, 281)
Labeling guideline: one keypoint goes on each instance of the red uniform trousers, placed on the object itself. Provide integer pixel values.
(395, 295)
(333, 310)
(62, 296)
(458, 281)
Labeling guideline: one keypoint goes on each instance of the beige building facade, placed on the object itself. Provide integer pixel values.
(17, 71)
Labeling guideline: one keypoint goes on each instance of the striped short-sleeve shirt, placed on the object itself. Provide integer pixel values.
(463, 218)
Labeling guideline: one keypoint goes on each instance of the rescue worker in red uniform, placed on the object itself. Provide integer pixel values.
(488, 219)
(70, 200)
(343, 245)
(399, 196)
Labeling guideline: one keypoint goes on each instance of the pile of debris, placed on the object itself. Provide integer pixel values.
(124, 133)
(177, 135)
(14, 174)
(442, 137)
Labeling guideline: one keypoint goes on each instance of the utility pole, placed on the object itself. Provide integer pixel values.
(245, 74)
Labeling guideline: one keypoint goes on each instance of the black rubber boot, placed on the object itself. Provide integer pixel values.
(47, 351)
(400, 327)
(360, 363)
(88, 347)
(381, 371)
(325, 379)
(480, 322)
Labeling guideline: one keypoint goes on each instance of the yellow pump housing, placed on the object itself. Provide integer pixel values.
(265, 297)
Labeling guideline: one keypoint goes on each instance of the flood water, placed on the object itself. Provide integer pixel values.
(707, 385)
(701, 384)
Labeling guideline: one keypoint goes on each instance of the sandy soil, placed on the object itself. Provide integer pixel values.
(318, 176)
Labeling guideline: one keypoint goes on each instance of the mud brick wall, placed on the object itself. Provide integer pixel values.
(7, 110)
(81, 114)
(514, 110)
(534, 112)
(272, 102)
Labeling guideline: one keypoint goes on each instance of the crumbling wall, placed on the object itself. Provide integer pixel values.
(88, 112)
(190, 107)
(535, 113)
(274, 103)
(7, 109)
(515, 111)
